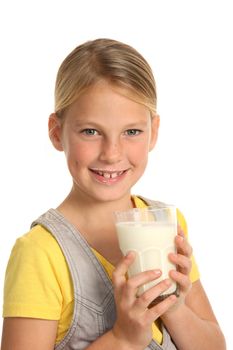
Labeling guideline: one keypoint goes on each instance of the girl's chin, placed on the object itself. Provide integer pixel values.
(111, 196)
(103, 194)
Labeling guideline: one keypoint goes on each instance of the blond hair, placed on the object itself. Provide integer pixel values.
(111, 60)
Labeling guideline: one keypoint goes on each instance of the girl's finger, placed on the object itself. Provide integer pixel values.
(119, 274)
(183, 280)
(183, 246)
(142, 278)
(130, 288)
(156, 311)
(184, 264)
(145, 299)
(180, 232)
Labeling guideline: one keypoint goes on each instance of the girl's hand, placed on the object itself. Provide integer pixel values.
(134, 319)
(183, 260)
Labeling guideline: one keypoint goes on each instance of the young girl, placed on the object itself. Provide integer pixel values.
(66, 282)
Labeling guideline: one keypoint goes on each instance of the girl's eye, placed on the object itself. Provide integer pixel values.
(90, 132)
(133, 132)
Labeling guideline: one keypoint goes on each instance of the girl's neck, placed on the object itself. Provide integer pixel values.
(95, 221)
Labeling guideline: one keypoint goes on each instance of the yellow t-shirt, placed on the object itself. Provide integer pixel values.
(38, 283)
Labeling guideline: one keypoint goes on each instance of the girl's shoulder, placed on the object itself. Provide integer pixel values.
(39, 238)
(37, 277)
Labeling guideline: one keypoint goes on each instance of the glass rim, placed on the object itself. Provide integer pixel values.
(148, 208)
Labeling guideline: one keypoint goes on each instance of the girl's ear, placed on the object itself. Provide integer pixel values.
(55, 131)
(154, 130)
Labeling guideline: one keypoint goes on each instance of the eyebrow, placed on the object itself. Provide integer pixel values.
(97, 125)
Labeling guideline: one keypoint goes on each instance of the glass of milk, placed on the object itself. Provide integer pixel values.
(150, 232)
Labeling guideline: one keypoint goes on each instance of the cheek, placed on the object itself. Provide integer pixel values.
(79, 153)
(139, 152)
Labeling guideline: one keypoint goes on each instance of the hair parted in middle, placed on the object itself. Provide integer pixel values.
(105, 59)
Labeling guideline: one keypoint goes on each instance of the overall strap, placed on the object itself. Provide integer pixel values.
(152, 203)
(93, 290)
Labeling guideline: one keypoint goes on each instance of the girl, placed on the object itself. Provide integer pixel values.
(66, 285)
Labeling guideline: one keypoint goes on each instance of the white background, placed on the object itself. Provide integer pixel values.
(189, 47)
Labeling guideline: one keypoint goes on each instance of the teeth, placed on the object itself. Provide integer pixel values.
(106, 175)
(109, 175)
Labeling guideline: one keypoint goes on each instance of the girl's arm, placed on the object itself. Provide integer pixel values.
(132, 330)
(193, 325)
(28, 333)
(191, 321)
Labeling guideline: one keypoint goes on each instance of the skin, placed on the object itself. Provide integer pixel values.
(103, 131)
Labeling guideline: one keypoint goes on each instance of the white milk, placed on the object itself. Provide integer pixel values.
(152, 241)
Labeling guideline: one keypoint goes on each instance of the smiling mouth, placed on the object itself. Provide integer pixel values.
(108, 174)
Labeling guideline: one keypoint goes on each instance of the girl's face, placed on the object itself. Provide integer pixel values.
(106, 138)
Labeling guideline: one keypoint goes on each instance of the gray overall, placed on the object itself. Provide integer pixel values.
(94, 306)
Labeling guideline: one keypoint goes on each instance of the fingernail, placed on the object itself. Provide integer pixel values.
(172, 255)
(157, 272)
(168, 283)
(129, 254)
(172, 297)
(174, 272)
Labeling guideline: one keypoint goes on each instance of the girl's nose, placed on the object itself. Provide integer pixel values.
(111, 151)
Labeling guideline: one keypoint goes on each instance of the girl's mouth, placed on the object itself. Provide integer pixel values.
(108, 177)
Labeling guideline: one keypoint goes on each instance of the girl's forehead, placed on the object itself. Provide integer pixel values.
(104, 98)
